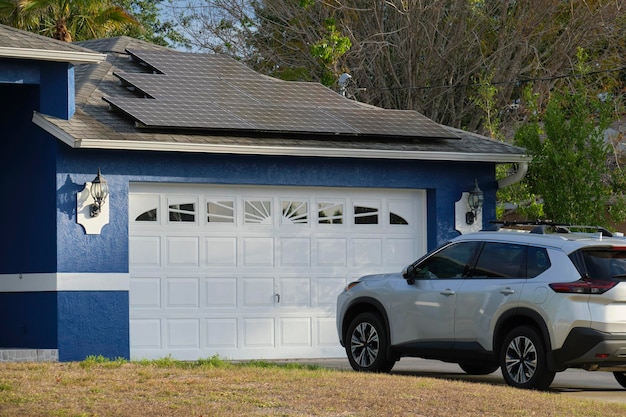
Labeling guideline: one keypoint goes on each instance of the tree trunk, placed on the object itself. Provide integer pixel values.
(61, 32)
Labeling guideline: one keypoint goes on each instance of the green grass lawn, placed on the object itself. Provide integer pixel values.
(215, 387)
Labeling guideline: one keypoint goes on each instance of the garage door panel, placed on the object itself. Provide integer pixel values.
(327, 332)
(182, 292)
(258, 332)
(221, 332)
(258, 251)
(183, 333)
(398, 251)
(332, 252)
(221, 292)
(295, 331)
(295, 252)
(183, 251)
(254, 272)
(367, 252)
(145, 292)
(327, 290)
(220, 251)
(145, 250)
(258, 292)
(145, 334)
(294, 292)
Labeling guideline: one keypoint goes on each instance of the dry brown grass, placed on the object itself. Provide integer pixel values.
(219, 388)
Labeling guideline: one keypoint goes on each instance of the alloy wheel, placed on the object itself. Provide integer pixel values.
(521, 359)
(364, 344)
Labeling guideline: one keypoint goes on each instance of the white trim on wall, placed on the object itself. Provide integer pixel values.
(64, 281)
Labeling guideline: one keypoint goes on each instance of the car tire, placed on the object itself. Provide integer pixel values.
(479, 368)
(523, 360)
(620, 377)
(366, 344)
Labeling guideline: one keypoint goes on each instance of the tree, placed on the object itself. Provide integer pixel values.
(152, 27)
(69, 20)
(573, 168)
(427, 56)
(76, 20)
(12, 15)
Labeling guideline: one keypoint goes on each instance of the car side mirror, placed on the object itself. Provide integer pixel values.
(409, 273)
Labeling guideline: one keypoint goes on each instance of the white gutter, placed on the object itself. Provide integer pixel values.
(68, 139)
(517, 176)
(73, 57)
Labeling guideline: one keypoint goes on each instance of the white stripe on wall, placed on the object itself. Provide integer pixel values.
(64, 281)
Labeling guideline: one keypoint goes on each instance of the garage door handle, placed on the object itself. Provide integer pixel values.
(277, 298)
(507, 291)
(447, 292)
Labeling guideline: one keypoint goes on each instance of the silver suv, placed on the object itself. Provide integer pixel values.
(532, 303)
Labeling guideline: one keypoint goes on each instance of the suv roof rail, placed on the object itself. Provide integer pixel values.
(548, 226)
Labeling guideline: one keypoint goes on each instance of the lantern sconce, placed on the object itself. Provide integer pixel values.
(99, 192)
(92, 210)
(475, 201)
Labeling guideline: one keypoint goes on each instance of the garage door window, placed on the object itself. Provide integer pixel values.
(365, 215)
(258, 212)
(330, 213)
(185, 212)
(295, 212)
(220, 211)
(148, 216)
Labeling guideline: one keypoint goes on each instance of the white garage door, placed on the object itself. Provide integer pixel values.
(254, 272)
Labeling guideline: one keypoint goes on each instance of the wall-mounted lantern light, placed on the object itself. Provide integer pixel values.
(99, 191)
(92, 205)
(475, 203)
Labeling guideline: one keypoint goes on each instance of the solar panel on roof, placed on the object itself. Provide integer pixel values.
(213, 92)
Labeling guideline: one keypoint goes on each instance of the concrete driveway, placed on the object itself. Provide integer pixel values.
(576, 383)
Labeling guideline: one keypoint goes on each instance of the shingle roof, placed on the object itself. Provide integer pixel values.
(15, 38)
(94, 125)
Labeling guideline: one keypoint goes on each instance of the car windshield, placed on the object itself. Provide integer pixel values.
(605, 264)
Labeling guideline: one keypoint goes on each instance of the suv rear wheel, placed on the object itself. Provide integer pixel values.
(366, 344)
(620, 377)
(523, 360)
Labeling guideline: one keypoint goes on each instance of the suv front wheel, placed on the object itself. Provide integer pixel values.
(366, 344)
(523, 360)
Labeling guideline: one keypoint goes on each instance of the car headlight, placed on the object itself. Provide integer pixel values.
(350, 285)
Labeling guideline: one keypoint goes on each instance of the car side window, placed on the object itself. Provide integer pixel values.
(501, 260)
(538, 261)
(450, 262)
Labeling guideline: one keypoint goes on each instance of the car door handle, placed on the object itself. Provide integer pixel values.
(507, 291)
(447, 292)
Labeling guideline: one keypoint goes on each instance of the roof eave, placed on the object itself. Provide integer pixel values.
(74, 57)
(156, 146)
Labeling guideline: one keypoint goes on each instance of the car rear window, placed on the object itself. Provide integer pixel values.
(604, 263)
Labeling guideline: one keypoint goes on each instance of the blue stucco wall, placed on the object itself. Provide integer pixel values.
(27, 167)
(28, 320)
(93, 323)
(444, 182)
(28, 218)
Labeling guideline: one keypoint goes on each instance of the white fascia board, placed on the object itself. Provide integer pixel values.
(303, 151)
(63, 136)
(55, 131)
(73, 57)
